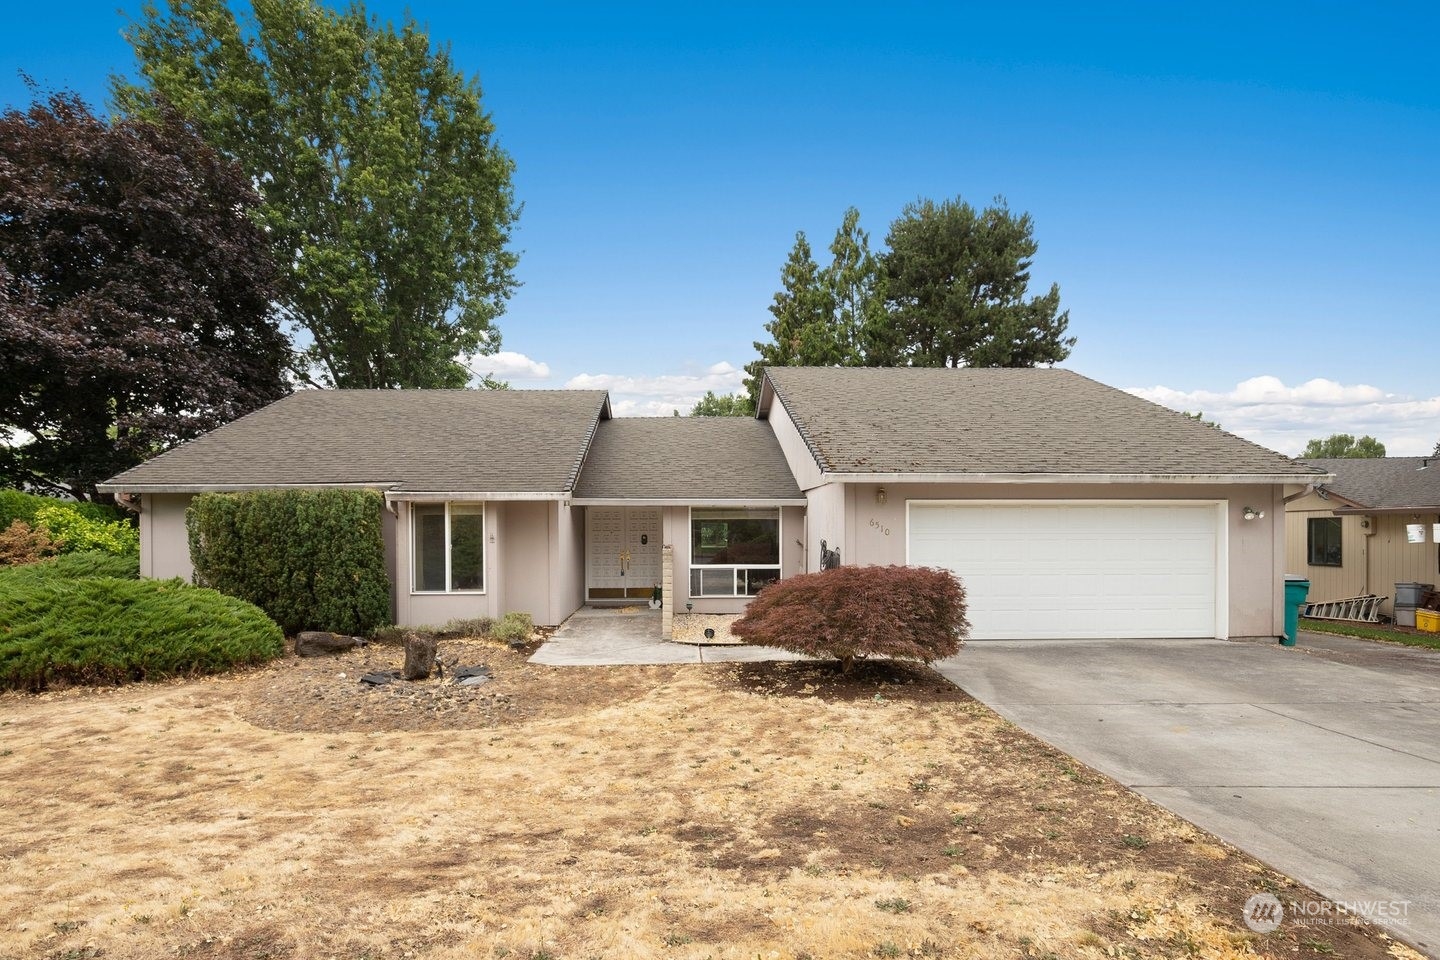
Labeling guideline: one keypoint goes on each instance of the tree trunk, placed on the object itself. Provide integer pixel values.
(419, 657)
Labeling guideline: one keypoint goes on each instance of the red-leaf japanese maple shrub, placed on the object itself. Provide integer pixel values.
(850, 613)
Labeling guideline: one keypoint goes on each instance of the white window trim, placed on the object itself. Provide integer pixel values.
(484, 566)
(690, 563)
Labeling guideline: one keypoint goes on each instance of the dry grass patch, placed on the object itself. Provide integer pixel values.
(727, 811)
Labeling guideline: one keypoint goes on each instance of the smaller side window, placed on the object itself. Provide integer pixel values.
(1323, 539)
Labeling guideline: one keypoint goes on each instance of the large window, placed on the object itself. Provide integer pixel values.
(1323, 538)
(449, 547)
(733, 553)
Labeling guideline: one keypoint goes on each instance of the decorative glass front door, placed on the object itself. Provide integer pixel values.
(622, 546)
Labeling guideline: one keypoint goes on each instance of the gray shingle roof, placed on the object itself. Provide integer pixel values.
(686, 459)
(1385, 483)
(1004, 421)
(463, 441)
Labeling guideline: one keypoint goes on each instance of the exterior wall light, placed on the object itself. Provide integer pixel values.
(880, 496)
(1250, 513)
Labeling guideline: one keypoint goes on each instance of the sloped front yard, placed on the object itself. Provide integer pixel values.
(729, 810)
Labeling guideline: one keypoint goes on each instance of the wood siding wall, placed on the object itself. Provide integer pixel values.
(1372, 562)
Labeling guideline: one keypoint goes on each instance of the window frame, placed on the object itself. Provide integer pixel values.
(1310, 556)
(690, 565)
(484, 546)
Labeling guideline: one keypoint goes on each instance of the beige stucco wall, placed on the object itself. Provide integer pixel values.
(1373, 558)
(568, 549)
(876, 533)
(164, 543)
(826, 519)
(525, 557)
(792, 445)
(532, 565)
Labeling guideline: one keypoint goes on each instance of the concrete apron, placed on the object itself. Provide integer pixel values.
(599, 636)
(1329, 771)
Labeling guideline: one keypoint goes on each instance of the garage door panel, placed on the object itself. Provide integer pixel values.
(1122, 570)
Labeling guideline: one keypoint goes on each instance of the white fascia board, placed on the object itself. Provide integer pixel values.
(682, 502)
(435, 496)
(234, 487)
(1097, 478)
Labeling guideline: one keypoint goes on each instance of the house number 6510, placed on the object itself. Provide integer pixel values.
(884, 530)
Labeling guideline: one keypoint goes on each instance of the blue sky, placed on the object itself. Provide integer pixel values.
(1241, 205)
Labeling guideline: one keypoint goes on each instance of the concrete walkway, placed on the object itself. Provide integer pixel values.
(597, 636)
(1322, 760)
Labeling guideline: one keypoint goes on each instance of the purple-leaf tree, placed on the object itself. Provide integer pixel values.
(135, 294)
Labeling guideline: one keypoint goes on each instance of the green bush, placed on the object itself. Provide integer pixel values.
(19, 505)
(74, 566)
(74, 530)
(96, 629)
(513, 628)
(311, 559)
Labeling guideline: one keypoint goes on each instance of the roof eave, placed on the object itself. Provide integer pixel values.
(688, 501)
(1101, 478)
(123, 487)
(1349, 510)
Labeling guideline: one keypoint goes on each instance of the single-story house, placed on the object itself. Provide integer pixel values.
(1067, 507)
(1371, 526)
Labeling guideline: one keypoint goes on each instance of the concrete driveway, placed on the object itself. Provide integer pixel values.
(1322, 760)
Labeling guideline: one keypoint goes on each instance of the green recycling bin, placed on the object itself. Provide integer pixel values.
(1296, 589)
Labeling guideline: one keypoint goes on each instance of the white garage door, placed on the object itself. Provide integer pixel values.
(1076, 570)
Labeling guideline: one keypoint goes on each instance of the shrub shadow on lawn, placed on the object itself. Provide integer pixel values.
(867, 680)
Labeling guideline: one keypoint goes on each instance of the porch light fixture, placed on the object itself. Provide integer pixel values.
(880, 496)
(1250, 513)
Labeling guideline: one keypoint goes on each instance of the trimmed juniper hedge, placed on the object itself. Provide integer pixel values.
(311, 559)
(58, 628)
(73, 566)
(849, 613)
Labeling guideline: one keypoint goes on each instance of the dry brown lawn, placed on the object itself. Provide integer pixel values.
(686, 812)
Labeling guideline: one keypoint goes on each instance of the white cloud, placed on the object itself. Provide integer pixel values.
(507, 365)
(660, 396)
(1265, 410)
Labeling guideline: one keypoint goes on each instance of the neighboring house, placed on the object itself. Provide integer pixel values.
(1068, 508)
(1351, 535)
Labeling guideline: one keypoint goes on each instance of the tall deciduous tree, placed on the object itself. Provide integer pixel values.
(388, 202)
(958, 288)
(1343, 445)
(134, 294)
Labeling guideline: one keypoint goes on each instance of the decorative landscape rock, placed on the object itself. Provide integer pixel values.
(318, 643)
(419, 657)
(381, 678)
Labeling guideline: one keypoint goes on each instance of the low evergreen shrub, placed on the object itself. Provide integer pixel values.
(311, 559)
(97, 629)
(73, 566)
(849, 613)
(513, 628)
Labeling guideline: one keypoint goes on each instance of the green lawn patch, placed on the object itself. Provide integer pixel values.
(1411, 638)
(64, 624)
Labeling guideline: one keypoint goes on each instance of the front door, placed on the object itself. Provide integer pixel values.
(622, 547)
